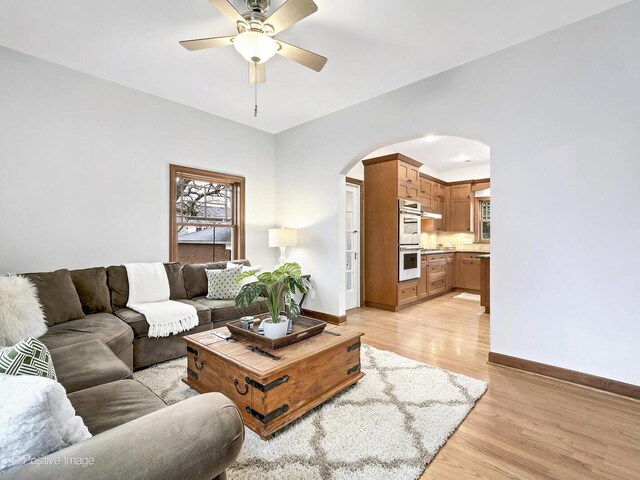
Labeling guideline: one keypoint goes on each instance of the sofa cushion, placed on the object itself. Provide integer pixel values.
(58, 296)
(93, 290)
(106, 406)
(222, 310)
(195, 278)
(115, 333)
(87, 364)
(176, 280)
(119, 286)
(140, 326)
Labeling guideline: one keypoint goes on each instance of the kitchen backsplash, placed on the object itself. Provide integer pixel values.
(460, 241)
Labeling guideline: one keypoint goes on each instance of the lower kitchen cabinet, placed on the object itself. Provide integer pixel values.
(439, 273)
(407, 292)
(467, 271)
(422, 281)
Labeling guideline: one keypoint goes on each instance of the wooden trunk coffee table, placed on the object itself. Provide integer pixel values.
(272, 393)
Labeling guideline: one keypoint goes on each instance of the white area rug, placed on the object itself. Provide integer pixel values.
(388, 426)
(468, 296)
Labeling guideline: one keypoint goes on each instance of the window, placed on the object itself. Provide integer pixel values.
(207, 216)
(483, 230)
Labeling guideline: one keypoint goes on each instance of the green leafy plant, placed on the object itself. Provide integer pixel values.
(276, 287)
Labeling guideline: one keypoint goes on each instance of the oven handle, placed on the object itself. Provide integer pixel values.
(409, 249)
(415, 213)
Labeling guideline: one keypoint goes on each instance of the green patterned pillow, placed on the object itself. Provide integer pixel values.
(27, 357)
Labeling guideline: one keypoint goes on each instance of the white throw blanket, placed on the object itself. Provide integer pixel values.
(149, 295)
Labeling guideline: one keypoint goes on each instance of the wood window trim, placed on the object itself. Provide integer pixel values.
(207, 175)
(478, 221)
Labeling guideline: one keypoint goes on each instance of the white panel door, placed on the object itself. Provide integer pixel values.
(352, 245)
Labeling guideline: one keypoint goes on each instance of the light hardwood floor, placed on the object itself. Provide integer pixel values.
(525, 426)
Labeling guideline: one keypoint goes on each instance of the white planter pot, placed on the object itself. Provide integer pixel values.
(275, 330)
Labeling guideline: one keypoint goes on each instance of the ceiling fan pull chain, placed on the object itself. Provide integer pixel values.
(255, 71)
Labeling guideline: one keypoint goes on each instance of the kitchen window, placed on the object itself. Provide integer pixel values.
(206, 216)
(483, 227)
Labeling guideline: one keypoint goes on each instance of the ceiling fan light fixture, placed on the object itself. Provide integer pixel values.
(255, 47)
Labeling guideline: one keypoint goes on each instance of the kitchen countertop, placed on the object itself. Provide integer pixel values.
(438, 252)
(486, 255)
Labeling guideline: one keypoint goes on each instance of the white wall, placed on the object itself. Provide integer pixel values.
(84, 168)
(465, 173)
(562, 116)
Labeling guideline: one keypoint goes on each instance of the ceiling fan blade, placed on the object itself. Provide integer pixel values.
(228, 10)
(302, 56)
(289, 13)
(200, 43)
(262, 77)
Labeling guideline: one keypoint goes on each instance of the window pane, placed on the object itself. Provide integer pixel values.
(203, 202)
(204, 244)
(486, 230)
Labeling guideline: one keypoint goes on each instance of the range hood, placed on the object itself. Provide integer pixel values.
(435, 216)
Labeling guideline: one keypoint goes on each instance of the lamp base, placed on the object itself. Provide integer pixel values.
(283, 258)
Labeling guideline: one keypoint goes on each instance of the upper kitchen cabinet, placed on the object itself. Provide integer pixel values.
(460, 208)
(409, 171)
(428, 200)
(408, 190)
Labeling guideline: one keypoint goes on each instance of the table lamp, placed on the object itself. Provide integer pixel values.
(283, 238)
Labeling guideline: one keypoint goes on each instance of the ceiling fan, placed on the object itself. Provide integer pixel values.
(256, 30)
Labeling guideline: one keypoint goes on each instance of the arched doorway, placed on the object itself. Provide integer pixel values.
(446, 163)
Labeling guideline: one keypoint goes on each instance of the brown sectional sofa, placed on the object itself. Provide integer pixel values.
(87, 304)
(135, 435)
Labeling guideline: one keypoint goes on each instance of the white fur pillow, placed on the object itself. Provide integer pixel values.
(21, 314)
(36, 418)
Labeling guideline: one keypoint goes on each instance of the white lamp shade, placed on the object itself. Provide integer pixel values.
(283, 237)
(255, 47)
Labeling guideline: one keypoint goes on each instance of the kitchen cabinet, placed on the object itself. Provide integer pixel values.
(408, 173)
(460, 208)
(407, 292)
(451, 268)
(408, 190)
(440, 224)
(467, 271)
(428, 200)
(386, 179)
(439, 278)
(422, 281)
(485, 283)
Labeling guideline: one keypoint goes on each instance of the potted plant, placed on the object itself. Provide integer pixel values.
(276, 287)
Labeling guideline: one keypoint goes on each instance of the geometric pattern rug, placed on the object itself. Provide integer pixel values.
(388, 426)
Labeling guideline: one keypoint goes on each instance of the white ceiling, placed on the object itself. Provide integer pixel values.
(373, 46)
(441, 153)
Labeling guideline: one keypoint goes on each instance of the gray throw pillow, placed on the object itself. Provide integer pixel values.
(222, 283)
(58, 296)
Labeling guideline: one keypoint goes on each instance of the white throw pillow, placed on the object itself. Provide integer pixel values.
(21, 314)
(36, 419)
(222, 283)
(247, 280)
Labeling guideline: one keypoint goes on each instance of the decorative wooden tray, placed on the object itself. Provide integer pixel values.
(303, 327)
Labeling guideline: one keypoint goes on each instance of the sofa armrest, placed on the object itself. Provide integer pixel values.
(196, 439)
